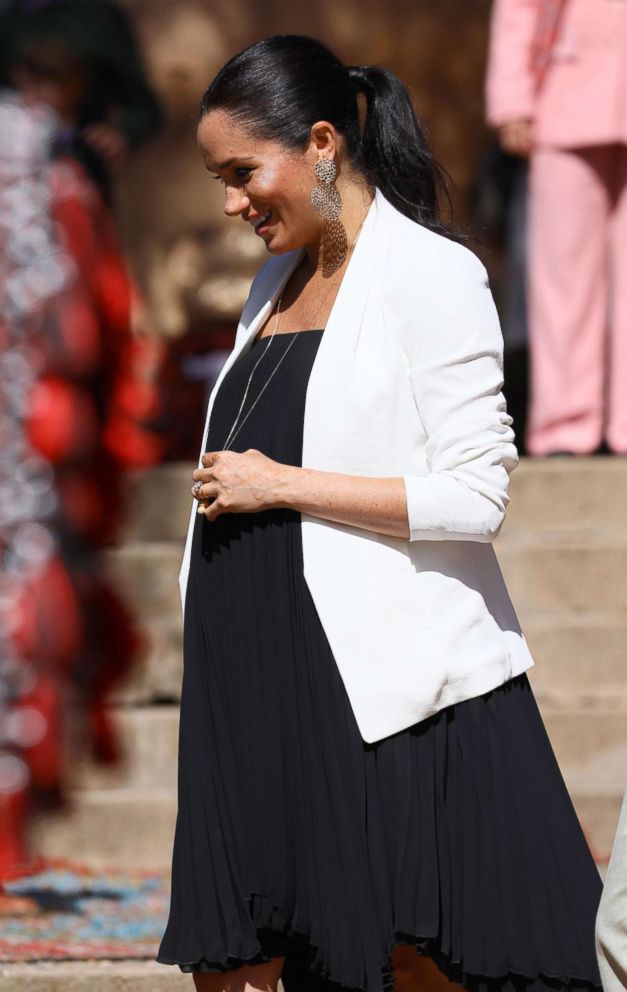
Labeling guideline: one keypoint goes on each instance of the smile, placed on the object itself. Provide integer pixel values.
(262, 220)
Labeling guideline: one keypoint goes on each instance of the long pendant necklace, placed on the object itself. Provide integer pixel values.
(233, 432)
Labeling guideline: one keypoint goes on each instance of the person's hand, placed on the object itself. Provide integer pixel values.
(236, 482)
(109, 143)
(515, 137)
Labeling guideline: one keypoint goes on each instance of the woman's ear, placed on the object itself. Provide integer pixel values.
(324, 139)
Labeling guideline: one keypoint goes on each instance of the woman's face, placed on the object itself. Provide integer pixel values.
(266, 184)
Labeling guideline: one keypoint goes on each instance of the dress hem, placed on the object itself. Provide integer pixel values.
(512, 981)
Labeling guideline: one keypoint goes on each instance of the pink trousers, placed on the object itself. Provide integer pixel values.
(577, 295)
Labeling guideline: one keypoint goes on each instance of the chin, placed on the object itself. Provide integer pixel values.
(276, 246)
(278, 250)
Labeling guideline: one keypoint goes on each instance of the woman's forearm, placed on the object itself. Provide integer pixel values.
(376, 504)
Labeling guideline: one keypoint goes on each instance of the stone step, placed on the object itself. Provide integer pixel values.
(159, 503)
(149, 738)
(128, 814)
(125, 828)
(567, 496)
(157, 679)
(571, 601)
(589, 744)
(147, 575)
(590, 747)
(583, 574)
(588, 575)
(87, 976)
(129, 828)
(581, 660)
(562, 495)
(598, 813)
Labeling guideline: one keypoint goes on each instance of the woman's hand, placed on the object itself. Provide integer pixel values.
(516, 137)
(237, 482)
(246, 482)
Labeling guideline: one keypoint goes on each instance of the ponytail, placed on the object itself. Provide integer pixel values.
(279, 87)
(394, 154)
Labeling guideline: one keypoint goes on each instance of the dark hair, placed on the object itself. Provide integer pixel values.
(281, 86)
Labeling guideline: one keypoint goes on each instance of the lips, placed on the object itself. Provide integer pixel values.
(261, 220)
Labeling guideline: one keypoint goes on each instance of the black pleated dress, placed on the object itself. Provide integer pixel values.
(294, 837)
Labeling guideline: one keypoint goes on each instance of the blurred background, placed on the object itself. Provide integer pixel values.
(121, 283)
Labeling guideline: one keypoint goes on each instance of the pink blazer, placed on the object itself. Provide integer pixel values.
(575, 92)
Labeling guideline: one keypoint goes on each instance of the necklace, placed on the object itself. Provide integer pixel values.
(233, 431)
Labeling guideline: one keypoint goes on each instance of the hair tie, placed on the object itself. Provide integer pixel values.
(358, 76)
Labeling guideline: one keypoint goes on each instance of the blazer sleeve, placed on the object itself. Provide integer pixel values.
(454, 352)
(509, 80)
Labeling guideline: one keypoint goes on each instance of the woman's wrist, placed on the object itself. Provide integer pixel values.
(374, 504)
(287, 487)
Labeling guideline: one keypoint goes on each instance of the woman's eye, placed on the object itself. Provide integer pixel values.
(242, 174)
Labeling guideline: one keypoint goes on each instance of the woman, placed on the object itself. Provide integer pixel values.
(363, 772)
(556, 75)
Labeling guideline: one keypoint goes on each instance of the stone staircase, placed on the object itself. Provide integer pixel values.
(563, 552)
(93, 976)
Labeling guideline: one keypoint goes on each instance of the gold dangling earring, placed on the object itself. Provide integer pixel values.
(326, 201)
(325, 197)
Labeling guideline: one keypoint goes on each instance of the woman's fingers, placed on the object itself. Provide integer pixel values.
(202, 475)
(231, 482)
(204, 490)
(203, 478)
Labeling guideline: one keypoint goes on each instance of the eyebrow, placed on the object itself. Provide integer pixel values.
(229, 161)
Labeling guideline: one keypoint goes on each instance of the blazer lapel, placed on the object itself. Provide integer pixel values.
(263, 307)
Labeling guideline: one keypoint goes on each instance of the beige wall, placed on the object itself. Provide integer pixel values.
(194, 268)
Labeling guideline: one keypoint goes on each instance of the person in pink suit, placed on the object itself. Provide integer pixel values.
(556, 90)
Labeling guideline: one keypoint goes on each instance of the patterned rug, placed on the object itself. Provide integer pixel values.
(82, 913)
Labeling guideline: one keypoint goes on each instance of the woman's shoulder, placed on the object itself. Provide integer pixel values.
(441, 281)
(421, 264)
(414, 245)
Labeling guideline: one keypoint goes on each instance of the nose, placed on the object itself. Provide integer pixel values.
(236, 201)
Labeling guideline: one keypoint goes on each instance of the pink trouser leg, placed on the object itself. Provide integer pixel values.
(616, 429)
(569, 208)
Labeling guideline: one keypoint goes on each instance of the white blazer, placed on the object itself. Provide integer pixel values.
(406, 382)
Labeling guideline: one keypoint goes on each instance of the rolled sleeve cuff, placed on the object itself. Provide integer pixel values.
(444, 509)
